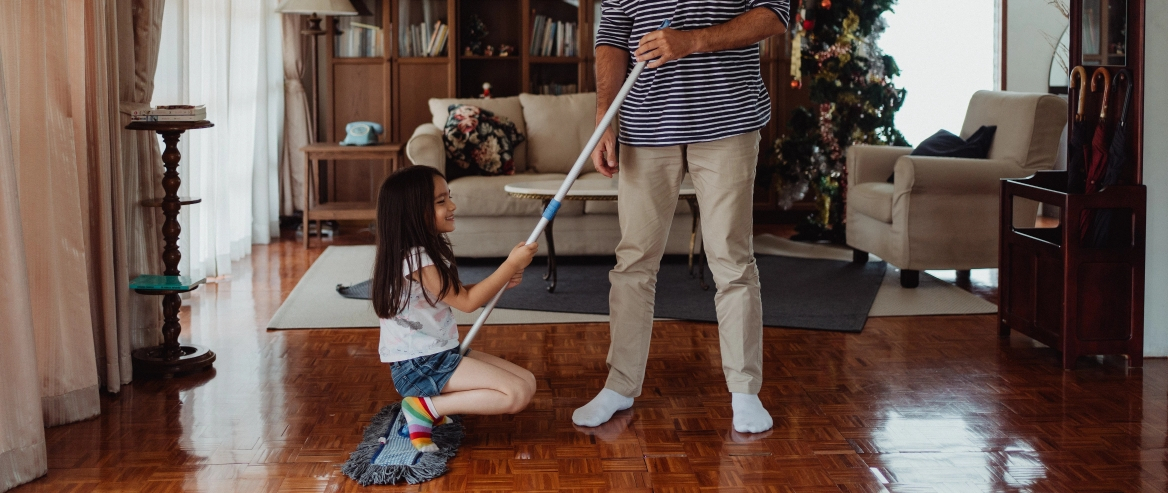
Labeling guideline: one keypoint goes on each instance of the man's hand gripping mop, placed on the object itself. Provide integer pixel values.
(554, 205)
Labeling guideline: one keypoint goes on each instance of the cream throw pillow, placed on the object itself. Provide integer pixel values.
(558, 129)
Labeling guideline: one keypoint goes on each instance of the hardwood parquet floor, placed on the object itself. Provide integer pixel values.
(912, 404)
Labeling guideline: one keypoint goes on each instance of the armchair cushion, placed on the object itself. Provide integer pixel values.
(945, 144)
(872, 199)
(1029, 125)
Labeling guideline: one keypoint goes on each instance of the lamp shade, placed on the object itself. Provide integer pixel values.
(320, 7)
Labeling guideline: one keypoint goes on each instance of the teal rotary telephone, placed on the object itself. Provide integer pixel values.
(362, 133)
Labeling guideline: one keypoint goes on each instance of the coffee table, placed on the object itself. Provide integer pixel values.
(603, 190)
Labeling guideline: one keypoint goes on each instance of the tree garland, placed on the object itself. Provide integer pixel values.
(853, 101)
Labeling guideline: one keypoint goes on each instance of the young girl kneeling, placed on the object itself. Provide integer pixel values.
(415, 283)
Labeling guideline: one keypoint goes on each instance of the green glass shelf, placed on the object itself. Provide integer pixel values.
(164, 284)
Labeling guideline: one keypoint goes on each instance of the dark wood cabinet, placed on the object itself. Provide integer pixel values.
(1059, 285)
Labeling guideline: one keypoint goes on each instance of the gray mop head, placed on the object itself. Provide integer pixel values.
(396, 459)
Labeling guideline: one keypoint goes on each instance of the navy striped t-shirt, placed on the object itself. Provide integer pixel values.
(699, 98)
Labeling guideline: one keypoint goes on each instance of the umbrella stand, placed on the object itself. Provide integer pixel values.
(1101, 231)
(1097, 162)
(1080, 135)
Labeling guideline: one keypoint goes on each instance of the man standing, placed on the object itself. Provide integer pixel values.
(697, 108)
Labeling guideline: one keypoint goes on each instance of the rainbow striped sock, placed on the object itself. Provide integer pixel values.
(421, 418)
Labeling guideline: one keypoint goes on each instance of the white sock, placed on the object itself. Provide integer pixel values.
(749, 415)
(601, 408)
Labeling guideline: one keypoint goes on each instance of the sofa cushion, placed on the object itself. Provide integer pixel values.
(479, 143)
(479, 196)
(873, 199)
(609, 206)
(558, 128)
(508, 107)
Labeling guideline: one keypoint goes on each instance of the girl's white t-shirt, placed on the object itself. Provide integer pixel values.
(421, 329)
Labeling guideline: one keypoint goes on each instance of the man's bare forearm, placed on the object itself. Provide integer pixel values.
(611, 64)
(749, 28)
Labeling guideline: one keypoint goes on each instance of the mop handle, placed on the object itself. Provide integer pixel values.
(554, 206)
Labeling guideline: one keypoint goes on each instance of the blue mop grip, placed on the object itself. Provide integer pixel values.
(552, 208)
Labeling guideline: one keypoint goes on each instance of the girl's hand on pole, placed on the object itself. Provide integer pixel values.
(515, 280)
(520, 256)
(665, 45)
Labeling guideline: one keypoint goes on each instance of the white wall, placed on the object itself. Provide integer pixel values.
(1156, 178)
(1028, 52)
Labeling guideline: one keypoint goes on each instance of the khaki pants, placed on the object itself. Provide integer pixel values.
(723, 177)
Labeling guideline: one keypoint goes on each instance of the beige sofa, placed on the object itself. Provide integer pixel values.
(942, 213)
(489, 222)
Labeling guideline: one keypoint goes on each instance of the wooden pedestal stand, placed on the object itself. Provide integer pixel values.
(170, 357)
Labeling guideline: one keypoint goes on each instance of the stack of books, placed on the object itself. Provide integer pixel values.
(171, 113)
(552, 38)
(424, 40)
(359, 40)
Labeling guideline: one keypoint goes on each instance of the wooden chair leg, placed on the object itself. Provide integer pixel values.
(963, 275)
(910, 279)
(859, 256)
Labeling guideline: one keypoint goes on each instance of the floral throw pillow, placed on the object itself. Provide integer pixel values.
(479, 142)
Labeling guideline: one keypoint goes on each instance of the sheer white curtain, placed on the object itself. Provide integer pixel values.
(227, 55)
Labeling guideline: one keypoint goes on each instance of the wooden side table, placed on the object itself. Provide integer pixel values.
(388, 153)
(170, 357)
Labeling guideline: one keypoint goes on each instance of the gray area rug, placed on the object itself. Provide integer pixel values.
(796, 293)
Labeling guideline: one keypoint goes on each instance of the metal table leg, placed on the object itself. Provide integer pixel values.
(550, 276)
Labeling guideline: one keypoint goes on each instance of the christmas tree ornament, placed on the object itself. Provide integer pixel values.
(825, 4)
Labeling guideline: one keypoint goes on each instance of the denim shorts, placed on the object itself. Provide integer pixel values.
(425, 376)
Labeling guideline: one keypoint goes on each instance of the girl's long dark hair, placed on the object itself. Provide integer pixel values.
(405, 220)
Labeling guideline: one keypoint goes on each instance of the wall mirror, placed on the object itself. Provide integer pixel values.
(1104, 32)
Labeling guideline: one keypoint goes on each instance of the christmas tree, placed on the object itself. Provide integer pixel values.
(853, 101)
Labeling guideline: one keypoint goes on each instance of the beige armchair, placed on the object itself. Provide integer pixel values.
(942, 213)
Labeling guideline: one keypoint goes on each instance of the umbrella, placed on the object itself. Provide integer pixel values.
(1116, 158)
(1097, 159)
(1080, 136)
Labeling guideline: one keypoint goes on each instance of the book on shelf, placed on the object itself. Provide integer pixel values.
(174, 109)
(359, 40)
(552, 38)
(423, 40)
